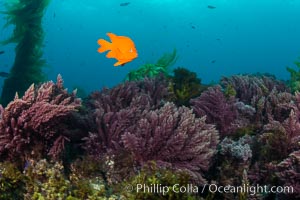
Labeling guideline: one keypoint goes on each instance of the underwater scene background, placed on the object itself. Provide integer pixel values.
(210, 108)
(235, 37)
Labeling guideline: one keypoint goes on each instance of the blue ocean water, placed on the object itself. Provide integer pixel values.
(237, 36)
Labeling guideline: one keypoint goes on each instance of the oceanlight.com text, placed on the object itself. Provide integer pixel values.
(248, 189)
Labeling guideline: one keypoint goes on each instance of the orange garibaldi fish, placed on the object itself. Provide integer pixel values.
(121, 48)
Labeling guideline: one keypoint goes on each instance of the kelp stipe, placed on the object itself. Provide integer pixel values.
(26, 16)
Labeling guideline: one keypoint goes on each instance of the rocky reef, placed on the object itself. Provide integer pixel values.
(54, 145)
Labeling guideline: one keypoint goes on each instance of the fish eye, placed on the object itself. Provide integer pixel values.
(131, 50)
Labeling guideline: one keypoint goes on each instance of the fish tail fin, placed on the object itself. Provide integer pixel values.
(104, 45)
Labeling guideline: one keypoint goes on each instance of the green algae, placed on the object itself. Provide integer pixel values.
(150, 175)
(46, 180)
(152, 70)
(12, 181)
(184, 86)
(294, 81)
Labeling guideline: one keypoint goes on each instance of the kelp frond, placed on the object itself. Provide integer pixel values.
(168, 59)
(26, 16)
(153, 70)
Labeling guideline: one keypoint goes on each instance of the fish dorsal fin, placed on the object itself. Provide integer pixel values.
(113, 37)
